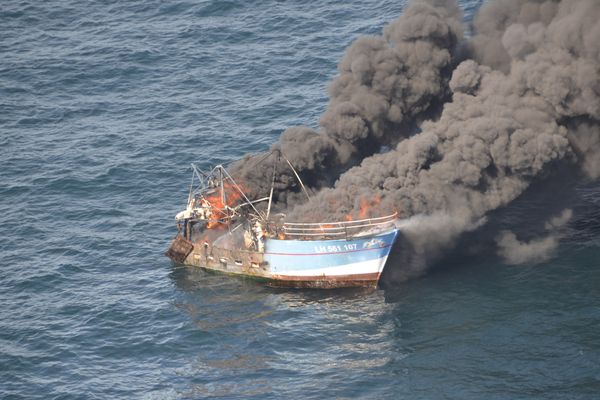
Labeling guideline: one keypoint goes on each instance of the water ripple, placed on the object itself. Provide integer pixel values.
(102, 108)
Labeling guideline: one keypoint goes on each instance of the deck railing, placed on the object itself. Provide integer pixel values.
(338, 229)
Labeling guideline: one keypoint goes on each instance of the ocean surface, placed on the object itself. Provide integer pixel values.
(103, 106)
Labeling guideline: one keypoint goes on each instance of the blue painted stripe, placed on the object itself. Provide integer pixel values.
(297, 255)
(326, 253)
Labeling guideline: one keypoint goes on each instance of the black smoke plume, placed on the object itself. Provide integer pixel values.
(471, 123)
(387, 85)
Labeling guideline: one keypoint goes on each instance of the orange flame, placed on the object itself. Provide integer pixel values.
(218, 207)
(366, 205)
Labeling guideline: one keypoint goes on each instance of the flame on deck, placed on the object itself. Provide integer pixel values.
(364, 208)
(221, 204)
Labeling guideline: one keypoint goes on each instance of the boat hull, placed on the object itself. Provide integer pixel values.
(356, 262)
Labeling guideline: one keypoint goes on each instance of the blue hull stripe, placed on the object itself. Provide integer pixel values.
(323, 254)
(291, 255)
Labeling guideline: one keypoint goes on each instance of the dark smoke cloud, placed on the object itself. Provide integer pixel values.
(386, 85)
(385, 82)
(523, 104)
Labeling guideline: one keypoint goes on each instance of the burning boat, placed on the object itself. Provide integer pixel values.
(222, 230)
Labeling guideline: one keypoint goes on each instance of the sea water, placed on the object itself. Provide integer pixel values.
(103, 106)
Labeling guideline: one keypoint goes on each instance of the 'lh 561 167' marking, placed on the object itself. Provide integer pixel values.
(336, 248)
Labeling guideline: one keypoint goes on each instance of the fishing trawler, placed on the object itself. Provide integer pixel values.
(222, 230)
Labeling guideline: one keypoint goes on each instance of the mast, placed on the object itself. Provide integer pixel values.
(272, 185)
(191, 185)
(223, 199)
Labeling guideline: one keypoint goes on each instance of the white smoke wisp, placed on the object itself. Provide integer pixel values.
(516, 252)
(536, 250)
